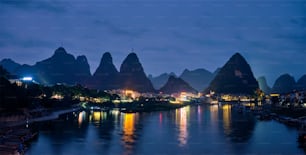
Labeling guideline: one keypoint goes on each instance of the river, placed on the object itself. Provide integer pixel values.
(189, 130)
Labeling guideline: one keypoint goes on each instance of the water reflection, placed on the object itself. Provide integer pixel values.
(236, 125)
(189, 130)
(181, 120)
(81, 118)
(214, 120)
(226, 109)
(96, 116)
(128, 137)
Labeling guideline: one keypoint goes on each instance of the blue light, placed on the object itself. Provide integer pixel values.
(27, 78)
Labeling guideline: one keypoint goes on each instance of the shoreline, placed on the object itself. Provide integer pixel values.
(53, 115)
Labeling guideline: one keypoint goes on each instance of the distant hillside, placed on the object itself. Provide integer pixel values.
(61, 67)
(301, 83)
(9, 65)
(160, 80)
(198, 79)
(284, 84)
(263, 85)
(176, 85)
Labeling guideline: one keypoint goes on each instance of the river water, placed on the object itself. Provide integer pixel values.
(190, 130)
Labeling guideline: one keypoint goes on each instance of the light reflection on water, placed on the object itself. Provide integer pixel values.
(181, 122)
(188, 130)
(128, 137)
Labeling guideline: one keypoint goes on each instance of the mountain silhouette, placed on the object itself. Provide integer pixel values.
(160, 80)
(9, 65)
(106, 74)
(301, 83)
(132, 75)
(176, 85)
(235, 77)
(284, 84)
(61, 67)
(263, 85)
(198, 79)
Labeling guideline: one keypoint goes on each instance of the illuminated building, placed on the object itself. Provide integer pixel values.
(57, 96)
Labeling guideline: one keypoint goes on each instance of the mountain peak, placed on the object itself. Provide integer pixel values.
(10, 65)
(132, 57)
(106, 74)
(82, 58)
(176, 85)
(106, 66)
(131, 64)
(198, 78)
(185, 71)
(107, 58)
(132, 75)
(284, 84)
(7, 60)
(237, 58)
(60, 50)
(301, 83)
(235, 77)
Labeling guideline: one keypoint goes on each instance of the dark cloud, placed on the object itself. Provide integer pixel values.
(9, 39)
(47, 5)
(167, 35)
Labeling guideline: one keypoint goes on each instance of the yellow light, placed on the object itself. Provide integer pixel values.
(274, 95)
(226, 118)
(130, 93)
(128, 130)
(116, 101)
(96, 116)
(175, 102)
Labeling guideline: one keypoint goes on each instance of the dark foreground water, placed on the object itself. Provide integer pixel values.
(189, 130)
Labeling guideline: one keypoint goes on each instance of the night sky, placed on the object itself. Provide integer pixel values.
(167, 35)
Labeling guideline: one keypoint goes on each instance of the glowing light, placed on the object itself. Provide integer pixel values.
(57, 96)
(128, 131)
(116, 101)
(81, 117)
(131, 94)
(183, 131)
(160, 118)
(214, 115)
(97, 116)
(175, 102)
(226, 118)
(27, 78)
(274, 95)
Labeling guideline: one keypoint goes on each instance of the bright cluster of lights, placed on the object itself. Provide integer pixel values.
(27, 78)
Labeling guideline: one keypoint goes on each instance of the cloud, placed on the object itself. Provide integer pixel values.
(10, 39)
(47, 5)
(118, 30)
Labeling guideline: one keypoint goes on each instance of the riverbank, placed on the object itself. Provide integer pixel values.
(50, 116)
(16, 136)
(16, 140)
